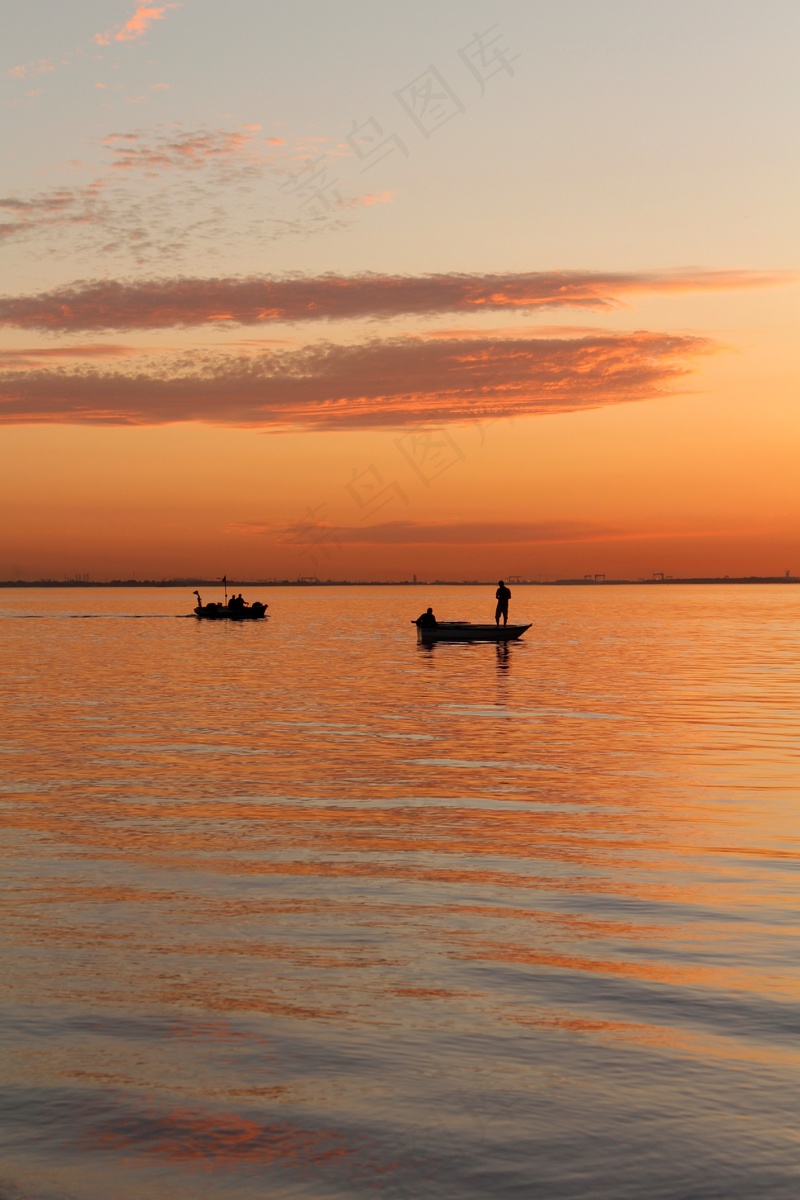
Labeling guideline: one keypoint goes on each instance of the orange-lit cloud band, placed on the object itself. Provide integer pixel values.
(157, 304)
(393, 382)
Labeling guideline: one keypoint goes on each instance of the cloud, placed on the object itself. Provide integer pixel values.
(158, 304)
(136, 26)
(192, 150)
(450, 533)
(24, 71)
(422, 533)
(49, 211)
(168, 193)
(390, 383)
(132, 30)
(517, 330)
(376, 198)
(57, 202)
(27, 355)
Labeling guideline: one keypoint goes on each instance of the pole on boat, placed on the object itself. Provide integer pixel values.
(225, 585)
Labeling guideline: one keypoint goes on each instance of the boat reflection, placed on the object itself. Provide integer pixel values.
(503, 655)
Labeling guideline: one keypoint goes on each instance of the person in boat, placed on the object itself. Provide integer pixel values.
(209, 608)
(502, 595)
(426, 620)
(236, 604)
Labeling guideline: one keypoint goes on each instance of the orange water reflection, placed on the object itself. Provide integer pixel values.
(307, 845)
(217, 1140)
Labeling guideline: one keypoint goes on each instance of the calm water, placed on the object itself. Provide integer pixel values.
(302, 909)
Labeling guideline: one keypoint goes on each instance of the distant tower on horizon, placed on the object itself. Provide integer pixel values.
(415, 578)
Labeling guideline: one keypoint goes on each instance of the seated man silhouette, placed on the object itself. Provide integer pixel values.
(426, 620)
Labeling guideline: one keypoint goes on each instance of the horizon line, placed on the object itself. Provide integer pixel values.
(516, 581)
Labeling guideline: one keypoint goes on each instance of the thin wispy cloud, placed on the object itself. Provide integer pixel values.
(167, 194)
(388, 383)
(453, 533)
(55, 208)
(375, 198)
(156, 304)
(27, 355)
(130, 31)
(136, 26)
(41, 66)
(426, 533)
(184, 149)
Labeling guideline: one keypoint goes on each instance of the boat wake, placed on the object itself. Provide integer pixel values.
(95, 616)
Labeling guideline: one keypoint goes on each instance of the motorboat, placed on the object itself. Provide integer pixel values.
(466, 631)
(224, 612)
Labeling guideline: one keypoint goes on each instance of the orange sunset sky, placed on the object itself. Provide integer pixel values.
(367, 290)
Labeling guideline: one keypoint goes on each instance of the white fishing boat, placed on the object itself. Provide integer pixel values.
(466, 631)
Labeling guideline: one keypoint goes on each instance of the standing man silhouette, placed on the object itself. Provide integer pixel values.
(503, 596)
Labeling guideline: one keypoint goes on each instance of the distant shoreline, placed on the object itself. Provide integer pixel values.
(305, 583)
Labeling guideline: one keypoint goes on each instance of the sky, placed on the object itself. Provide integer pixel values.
(369, 290)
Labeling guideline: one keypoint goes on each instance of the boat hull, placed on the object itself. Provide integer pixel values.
(465, 631)
(222, 614)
